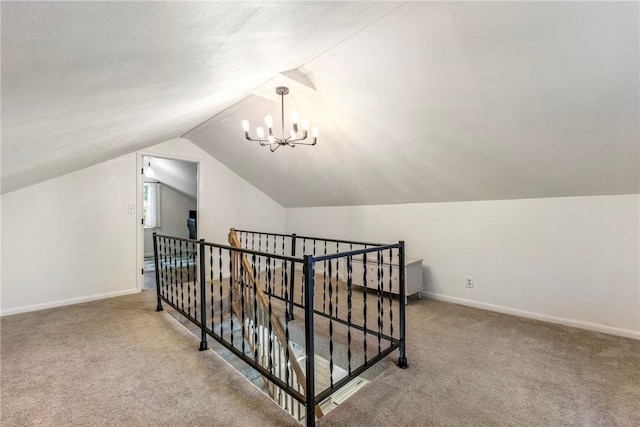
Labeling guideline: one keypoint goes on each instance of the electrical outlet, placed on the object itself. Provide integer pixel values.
(469, 282)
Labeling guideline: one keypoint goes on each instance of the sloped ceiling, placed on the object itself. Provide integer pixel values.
(458, 101)
(416, 102)
(180, 175)
(83, 82)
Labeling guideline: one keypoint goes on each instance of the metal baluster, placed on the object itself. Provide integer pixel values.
(188, 274)
(292, 277)
(165, 276)
(275, 238)
(174, 270)
(163, 267)
(174, 284)
(178, 286)
(390, 297)
(174, 277)
(167, 269)
(286, 321)
(220, 291)
(330, 324)
(304, 252)
(195, 301)
(195, 298)
(337, 279)
(270, 308)
(193, 283)
(349, 284)
(255, 309)
(380, 309)
(182, 281)
(260, 258)
(165, 279)
(314, 254)
(242, 301)
(274, 290)
(231, 285)
(211, 289)
(364, 303)
(324, 280)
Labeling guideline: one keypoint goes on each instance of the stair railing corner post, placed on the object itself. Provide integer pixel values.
(402, 358)
(309, 342)
(155, 262)
(203, 299)
(292, 276)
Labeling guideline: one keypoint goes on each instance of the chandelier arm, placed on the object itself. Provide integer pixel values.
(298, 139)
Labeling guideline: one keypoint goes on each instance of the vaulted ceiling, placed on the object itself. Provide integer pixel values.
(416, 102)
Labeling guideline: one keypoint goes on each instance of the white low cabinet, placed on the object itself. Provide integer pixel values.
(412, 275)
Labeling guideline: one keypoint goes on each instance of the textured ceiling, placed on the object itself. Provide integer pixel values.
(416, 102)
(83, 82)
(459, 101)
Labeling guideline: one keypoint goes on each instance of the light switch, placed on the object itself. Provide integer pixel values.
(131, 208)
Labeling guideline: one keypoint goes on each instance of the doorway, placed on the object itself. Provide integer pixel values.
(169, 206)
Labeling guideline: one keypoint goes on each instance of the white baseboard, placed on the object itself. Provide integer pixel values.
(628, 333)
(71, 301)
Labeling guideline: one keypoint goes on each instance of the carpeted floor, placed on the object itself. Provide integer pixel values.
(117, 362)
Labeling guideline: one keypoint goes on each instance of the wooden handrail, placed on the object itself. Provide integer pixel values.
(277, 326)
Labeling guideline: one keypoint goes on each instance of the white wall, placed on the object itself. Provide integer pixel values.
(572, 260)
(174, 208)
(71, 239)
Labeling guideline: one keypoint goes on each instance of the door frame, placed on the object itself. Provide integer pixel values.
(140, 206)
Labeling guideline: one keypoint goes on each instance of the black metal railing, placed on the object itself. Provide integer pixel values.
(282, 303)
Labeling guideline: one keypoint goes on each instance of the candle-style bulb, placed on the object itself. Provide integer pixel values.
(260, 132)
(305, 124)
(245, 125)
(268, 120)
(315, 132)
(294, 117)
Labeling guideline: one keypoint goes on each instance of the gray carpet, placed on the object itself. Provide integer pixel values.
(118, 362)
(470, 367)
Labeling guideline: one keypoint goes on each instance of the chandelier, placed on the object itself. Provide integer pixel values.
(294, 137)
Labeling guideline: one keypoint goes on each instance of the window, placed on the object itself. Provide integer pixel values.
(151, 205)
